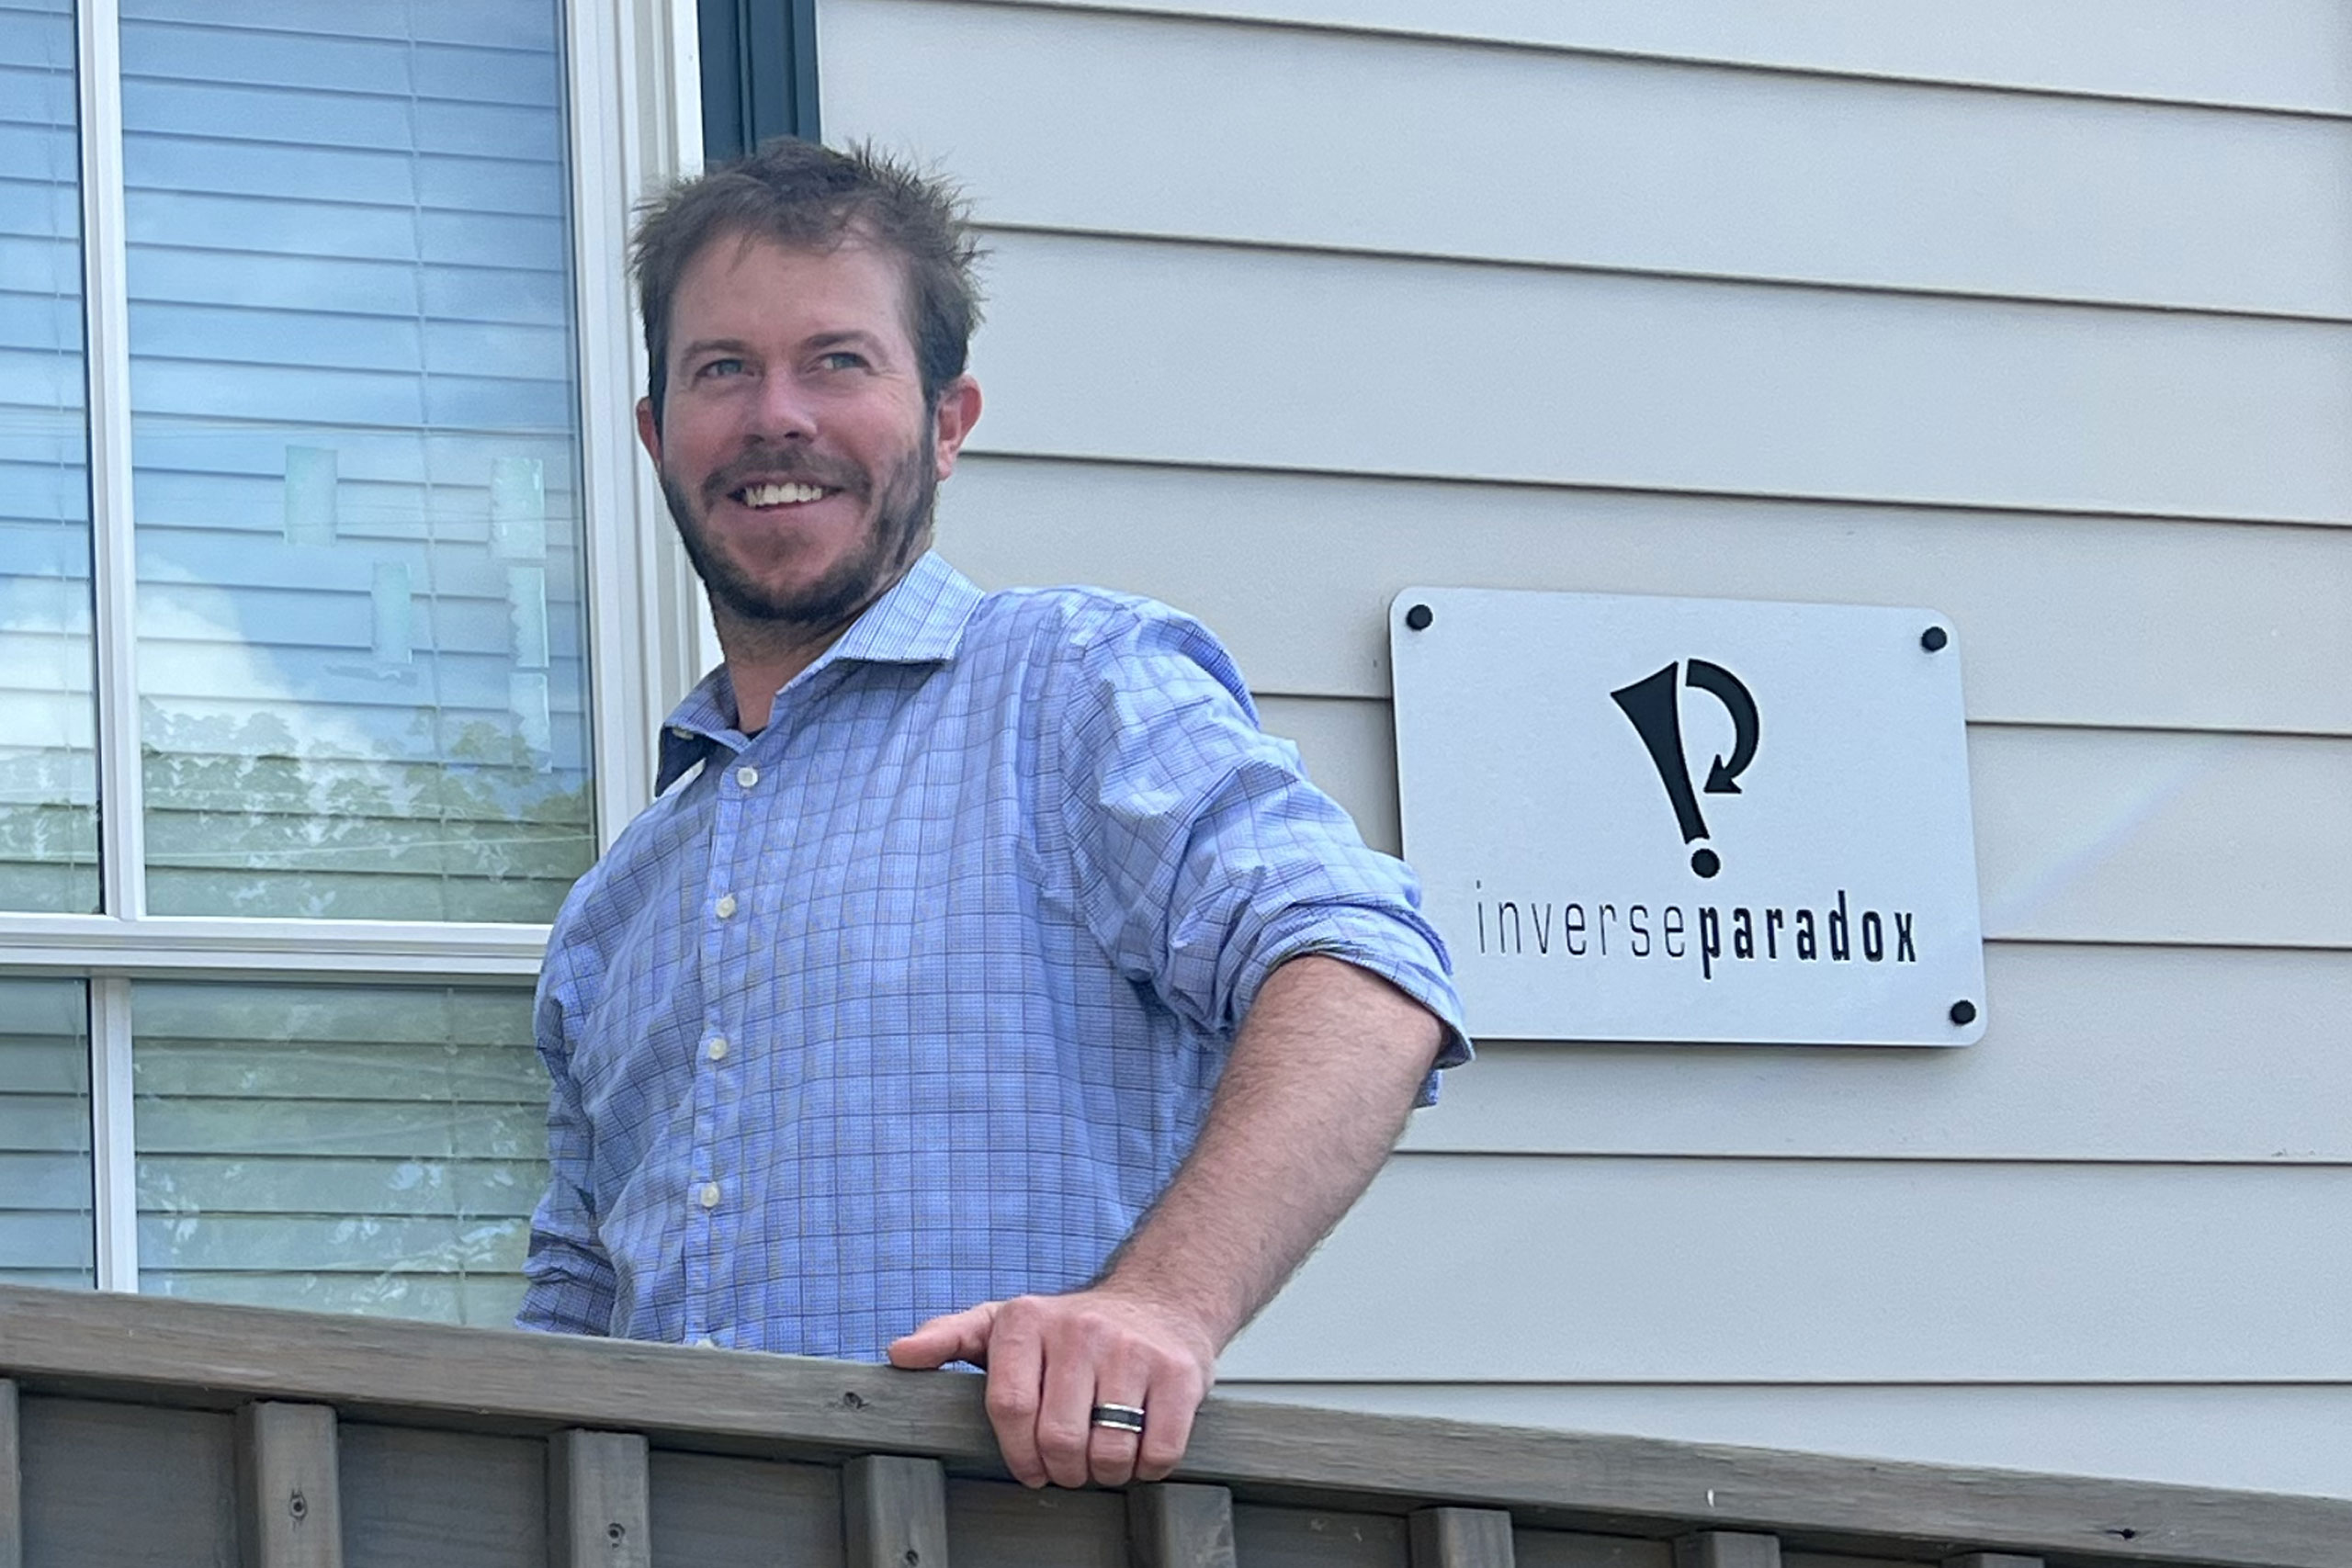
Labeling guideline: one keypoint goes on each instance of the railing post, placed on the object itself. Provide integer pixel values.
(290, 1501)
(1463, 1538)
(12, 1501)
(598, 1511)
(1726, 1549)
(894, 1512)
(1178, 1525)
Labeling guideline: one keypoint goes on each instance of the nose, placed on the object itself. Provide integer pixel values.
(783, 411)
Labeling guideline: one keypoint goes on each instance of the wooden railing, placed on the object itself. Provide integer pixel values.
(143, 1431)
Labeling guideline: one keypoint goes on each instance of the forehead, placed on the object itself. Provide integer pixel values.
(745, 285)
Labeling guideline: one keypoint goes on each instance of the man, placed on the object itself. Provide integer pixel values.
(983, 985)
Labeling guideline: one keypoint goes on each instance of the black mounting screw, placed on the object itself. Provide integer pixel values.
(1964, 1013)
(298, 1505)
(1934, 638)
(615, 1533)
(1419, 617)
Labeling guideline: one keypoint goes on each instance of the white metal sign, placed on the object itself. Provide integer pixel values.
(1692, 820)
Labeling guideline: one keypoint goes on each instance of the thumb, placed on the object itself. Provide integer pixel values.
(958, 1337)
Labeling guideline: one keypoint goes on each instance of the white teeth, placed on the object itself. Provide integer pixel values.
(781, 495)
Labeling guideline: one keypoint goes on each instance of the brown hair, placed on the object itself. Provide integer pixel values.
(810, 197)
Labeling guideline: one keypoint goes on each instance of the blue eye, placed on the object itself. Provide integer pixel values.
(842, 360)
(721, 367)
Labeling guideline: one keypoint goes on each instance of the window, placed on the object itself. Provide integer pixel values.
(334, 618)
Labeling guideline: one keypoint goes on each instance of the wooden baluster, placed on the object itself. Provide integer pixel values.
(894, 1512)
(1727, 1549)
(598, 1512)
(12, 1503)
(1463, 1538)
(290, 1508)
(1176, 1525)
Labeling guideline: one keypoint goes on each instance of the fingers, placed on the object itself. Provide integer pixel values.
(958, 1337)
(1016, 1367)
(1175, 1398)
(1052, 1360)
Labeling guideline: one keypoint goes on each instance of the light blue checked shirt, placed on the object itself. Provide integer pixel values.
(917, 998)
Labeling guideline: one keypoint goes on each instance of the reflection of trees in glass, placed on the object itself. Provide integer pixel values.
(49, 832)
(376, 1149)
(241, 820)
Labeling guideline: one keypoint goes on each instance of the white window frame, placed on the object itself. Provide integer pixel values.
(634, 114)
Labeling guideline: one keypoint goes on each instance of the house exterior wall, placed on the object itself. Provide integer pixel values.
(2043, 320)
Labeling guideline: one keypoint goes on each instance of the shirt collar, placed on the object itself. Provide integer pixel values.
(919, 620)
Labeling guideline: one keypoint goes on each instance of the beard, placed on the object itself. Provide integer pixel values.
(897, 529)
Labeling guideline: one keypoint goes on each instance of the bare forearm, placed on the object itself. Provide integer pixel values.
(1320, 1079)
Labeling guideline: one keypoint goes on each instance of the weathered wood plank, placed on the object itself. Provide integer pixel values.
(289, 1495)
(199, 1354)
(717, 1512)
(1991, 1560)
(996, 1524)
(1463, 1538)
(437, 1499)
(894, 1512)
(1574, 1548)
(1316, 1537)
(125, 1484)
(1174, 1524)
(12, 1514)
(599, 1503)
(1726, 1549)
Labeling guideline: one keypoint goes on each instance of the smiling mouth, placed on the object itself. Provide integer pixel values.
(762, 496)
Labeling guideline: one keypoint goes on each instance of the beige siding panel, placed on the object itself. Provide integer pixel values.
(2137, 836)
(2089, 1054)
(2063, 621)
(1201, 353)
(2110, 836)
(1153, 125)
(1466, 1267)
(2284, 54)
(2264, 1439)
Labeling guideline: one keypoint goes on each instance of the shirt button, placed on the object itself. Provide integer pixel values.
(719, 1047)
(706, 1343)
(710, 1194)
(726, 905)
(747, 777)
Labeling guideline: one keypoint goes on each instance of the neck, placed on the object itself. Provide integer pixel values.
(763, 656)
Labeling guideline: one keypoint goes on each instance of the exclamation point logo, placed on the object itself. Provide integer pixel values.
(1655, 705)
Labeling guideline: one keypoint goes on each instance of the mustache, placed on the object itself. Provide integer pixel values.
(786, 465)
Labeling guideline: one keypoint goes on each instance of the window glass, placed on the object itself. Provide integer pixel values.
(47, 1231)
(360, 616)
(341, 1148)
(47, 769)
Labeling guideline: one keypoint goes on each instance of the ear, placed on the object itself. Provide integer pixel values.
(648, 435)
(959, 410)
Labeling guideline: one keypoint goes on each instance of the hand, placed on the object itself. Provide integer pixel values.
(1051, 1360)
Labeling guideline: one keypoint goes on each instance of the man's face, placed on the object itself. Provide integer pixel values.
(795, 449)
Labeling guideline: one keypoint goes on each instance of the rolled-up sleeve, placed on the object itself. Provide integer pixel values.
(1205, 856)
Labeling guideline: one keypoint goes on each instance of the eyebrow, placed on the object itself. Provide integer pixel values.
(816, 341)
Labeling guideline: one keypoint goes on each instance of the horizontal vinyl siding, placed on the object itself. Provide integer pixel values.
(1179, 352)
(1564, 1268)
(2091, 1054)
(2059, 616)
(1668, 300)
(1318, 139)
(2116, 835)
(2291, 54)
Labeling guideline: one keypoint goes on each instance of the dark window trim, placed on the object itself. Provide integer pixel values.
(759, 73)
